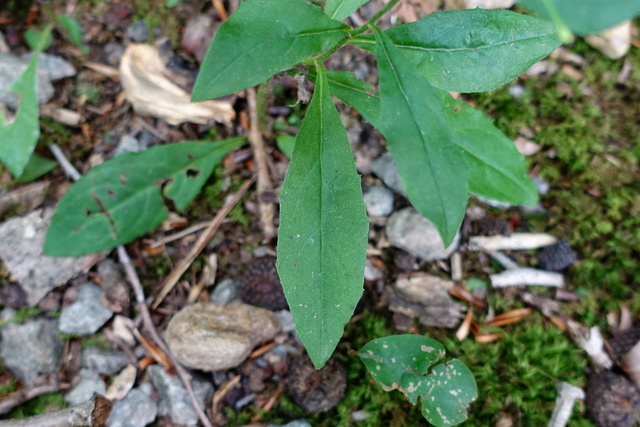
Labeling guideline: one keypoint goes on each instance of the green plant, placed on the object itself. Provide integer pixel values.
(444, 148)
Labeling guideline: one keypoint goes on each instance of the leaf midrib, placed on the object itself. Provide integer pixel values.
(423, 145)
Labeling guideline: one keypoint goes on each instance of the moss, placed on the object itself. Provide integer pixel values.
(39, 405)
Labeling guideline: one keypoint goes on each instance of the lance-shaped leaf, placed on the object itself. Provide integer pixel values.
(19, 139)
(415, 125)
(585, 17)
(261, 38)
(472, 50)
(340, 9)
(496, 168)
(121, 199)
(323, 229)
(414, 365)
(357, 93)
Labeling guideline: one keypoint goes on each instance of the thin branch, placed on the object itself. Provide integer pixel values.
(93, 413)
(151, 330)
(18, 398)
(266, 209)
(200, 244)
(66, 166)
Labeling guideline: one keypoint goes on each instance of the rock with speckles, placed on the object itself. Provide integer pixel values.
(213, 337)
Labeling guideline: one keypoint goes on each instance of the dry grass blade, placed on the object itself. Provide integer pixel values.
(487, 338)
(463, 331)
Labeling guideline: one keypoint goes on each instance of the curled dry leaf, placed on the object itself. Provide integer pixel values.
(463, 331)
(149, 87)
(630, 363)
(122, 383)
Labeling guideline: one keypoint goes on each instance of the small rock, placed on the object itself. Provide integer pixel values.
(285, 318)
(104, 362)
(379, 201)
(316, 390)
(90, 382)
(137, 409)
(386, 169)
(526, 147)
(138, 31)
(197, 36)
(410, 231)
(361, 415)
(542, 186)
(87, 314)
(212, 337)
(427, 298)
(128, 144)
(56, 67)
(371, 272)
(225, 292)
(557, 257)
(113, 52)
(517, 91)
(31, 349)
(613, 42)
(116, 291)
(174, 400)
(21, 252)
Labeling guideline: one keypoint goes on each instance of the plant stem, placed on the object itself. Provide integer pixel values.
(327, 53)
(375, 18)
(564, 33)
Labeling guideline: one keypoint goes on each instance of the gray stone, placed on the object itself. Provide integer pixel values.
(21, 252)
(90, 382)
(225, 292)
(104, 362)
(31, 349)
(386, 169)
(285, 318)
(56, 67)
(87, 314)
(379, 201)
(614, 42)
(11, 68)
(138, 31)
(410, 231)
(129, 144)
(137, 409)
(174, 400)
(212, 337)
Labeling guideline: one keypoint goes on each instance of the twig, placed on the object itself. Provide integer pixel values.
(200, 244)
(93, 413)
(266, 209)
(526, 276)
(18, 398)
(148, 324)
(222, 13)
(179, 235)
(567, 396)
(66, 166)
(514, 242)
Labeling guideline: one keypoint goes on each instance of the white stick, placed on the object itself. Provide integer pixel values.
(526, 276)
(567, 396)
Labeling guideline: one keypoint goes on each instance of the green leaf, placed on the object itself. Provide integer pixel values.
(340, 9)
(18, 139)
(74, 31)
(415, 124)
(36, 167)
(585, 17)
(261, 38)
(472, 50)
(121, 199)
(496, 168)
(286, 143)
(356, 93)
(34, 37)
(412, 364)
(323, 229)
